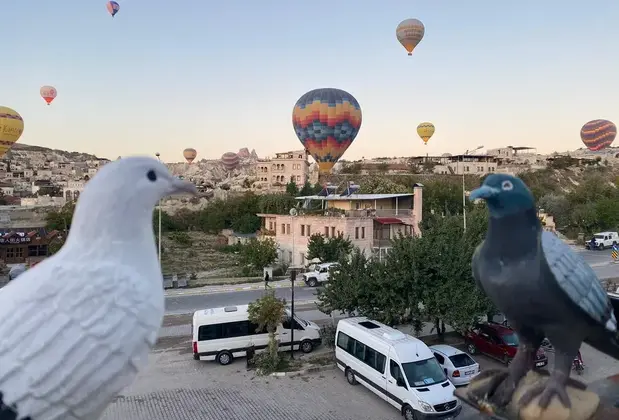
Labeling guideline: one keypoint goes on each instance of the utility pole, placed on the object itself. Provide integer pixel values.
(464, 187)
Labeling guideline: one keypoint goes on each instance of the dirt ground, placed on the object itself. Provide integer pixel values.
(201, 257)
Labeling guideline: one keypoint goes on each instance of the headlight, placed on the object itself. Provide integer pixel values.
(426, 407)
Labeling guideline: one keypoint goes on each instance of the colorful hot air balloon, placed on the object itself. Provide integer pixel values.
(326, 121)
(48, 93)
(11, 127)
(410, 33)
(112, 7)
(190, 154)
(598, 134)
(230, 160)
(425, 131)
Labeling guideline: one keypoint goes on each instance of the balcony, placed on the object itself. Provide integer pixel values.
(381, 243)
(379, 213)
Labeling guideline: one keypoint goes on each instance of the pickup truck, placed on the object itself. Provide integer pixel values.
(602, 240)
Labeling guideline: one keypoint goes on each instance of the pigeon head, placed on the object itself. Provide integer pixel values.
(119, 200)
(505, 195)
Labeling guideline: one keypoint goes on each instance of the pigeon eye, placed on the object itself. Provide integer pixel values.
(151, 175)
(507, 186)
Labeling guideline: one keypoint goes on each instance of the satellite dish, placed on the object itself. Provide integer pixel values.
(293, 212)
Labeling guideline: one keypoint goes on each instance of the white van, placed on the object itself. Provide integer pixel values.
(397, 367)
(225, 333)
(603, 240)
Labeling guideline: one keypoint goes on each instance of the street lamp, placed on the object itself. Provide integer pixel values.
(293, 277)
(463, 187)
(159, 235)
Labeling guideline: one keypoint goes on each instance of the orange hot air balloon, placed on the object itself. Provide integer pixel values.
(48, 93)
(230, 161)
(410, 32)
(190, 154)
(11, 128)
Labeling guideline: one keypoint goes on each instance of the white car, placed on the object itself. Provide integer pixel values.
(603, 240)
(459, 367)
(319, 275)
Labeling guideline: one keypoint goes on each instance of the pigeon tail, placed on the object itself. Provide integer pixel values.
(8, 412)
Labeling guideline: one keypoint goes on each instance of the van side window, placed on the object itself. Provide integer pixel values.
(394, 369)
(374, 359)
(359, 350)
(228, 330)
(371, 357)
(286, 324)
(342, 341)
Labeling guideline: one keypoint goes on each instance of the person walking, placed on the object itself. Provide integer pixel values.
(266, 280)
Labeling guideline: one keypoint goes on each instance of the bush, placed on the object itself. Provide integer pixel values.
(266, 363)
(230, 249)
(181, 238)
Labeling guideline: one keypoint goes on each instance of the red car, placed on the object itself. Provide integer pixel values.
(499, 342)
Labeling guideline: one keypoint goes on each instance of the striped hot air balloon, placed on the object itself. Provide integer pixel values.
(326, 122)
(425, 131)
(410, 32)
(230, 161)
(598, 134)
(190, 154)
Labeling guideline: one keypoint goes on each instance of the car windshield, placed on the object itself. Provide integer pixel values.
(461, 360)
(511, 339)
(423, 373)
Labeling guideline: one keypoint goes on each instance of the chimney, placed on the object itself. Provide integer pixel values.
(417, 204)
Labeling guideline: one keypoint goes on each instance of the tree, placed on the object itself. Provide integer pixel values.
(328, 249)
(342, 292)
(259, 253)
(267, 313)
(291, 188)
(60, 220)
(276, 203)
(306, 190)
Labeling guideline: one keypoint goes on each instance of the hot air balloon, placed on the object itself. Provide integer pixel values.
(230, 160)
(410, 33)
(425, 131)
(48, 93)
(190, 154)
(326, 122)
(11, 127)
(112, 7)
(598, 134)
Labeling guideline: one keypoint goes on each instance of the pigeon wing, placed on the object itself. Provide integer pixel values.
(73, 336)
(578, 281)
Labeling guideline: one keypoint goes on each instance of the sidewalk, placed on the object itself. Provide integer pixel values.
(232, 288)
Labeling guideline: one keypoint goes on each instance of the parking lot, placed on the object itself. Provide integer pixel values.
(174, 386)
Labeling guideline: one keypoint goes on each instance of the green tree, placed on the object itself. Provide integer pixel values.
(352, 168)
(276, 203)
(259, 253)
(60, 220)
(267, 313)
(382, 185)
(328, 249)
(558, 206)
(343, 290)
(382, 167)
(306, 190)
(291, 188)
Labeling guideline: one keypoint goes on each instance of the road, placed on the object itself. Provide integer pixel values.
(600, 261)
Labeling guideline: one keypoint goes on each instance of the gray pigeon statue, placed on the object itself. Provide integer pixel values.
(543, 288)
(76, 328)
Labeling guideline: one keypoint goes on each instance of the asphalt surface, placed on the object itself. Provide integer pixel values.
(600, 261)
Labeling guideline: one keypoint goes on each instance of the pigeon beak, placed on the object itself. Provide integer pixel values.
(484, 192)
(182, 187)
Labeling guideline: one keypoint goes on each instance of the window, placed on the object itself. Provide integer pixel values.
(333, 231)
(288, 228)
(326, 231)
(374, 359)
(302, 230)
(356, 233)
(283, 229)
(461, 360)
(286, 324)
(308, 230)
(394, 369)
(228, 330)
(345, 342)
(37, 251)
(440, 358)
(363, 232)
(359, 350)
(424, 372)
(270, 225)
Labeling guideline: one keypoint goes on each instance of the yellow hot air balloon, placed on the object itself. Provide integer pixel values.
(410, 33)
(11, 127)
(190, 154)
(425, 131)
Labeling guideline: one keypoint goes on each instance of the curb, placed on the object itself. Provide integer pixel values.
(313, 369)
(223, 289)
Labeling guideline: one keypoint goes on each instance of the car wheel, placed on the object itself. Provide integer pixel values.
(196, 356)
(224, 358)
(312, 282)
(307, 346)
(408, 413)
(471, 348)
(601, 247)
(350, 376)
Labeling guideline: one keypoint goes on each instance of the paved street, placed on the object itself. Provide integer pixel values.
(174, 386)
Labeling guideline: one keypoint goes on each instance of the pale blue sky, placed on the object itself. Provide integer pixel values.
(220, 75)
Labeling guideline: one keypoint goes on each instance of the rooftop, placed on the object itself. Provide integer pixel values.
(353, 197)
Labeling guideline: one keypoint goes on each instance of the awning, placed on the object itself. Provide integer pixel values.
(389, 221)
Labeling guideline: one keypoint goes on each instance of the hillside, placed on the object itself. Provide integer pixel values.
(26, 151)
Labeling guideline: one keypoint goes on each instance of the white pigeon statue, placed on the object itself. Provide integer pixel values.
(76, 328)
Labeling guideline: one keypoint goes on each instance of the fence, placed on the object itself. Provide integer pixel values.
(175, 281)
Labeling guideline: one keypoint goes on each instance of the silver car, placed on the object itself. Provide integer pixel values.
(459, 367)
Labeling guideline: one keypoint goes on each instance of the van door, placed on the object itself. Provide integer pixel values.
(285, 333)
(397, 389)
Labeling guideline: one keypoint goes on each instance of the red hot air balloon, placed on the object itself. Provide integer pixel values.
(598, 134)
(48, 93)
(230, 161)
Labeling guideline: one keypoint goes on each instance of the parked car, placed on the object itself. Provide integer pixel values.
(499, 342)
(16, 271)
(603, 240)
(459, 367)
(319, 275)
